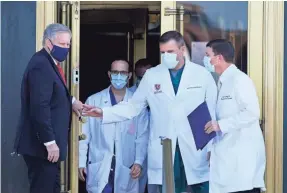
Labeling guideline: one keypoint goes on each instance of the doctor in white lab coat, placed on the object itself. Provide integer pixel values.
(127, 139)
(171, 99)
(237, 162)
(141, 66)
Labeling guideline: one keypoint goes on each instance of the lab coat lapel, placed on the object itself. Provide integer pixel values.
(186, 79)
(166, 85)
(107, 98)
(127, 95)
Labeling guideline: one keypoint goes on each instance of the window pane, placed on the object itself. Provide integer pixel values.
(205, 21)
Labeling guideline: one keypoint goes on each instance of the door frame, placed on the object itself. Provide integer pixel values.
(273, 87)
(44, 18)
(46, 13)
(265, 67)
(265, 54)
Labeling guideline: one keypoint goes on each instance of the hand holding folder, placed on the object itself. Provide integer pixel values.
(197, 121)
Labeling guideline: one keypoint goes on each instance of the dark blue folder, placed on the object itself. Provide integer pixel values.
(197, 121)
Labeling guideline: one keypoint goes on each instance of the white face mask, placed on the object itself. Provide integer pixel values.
(207, 64)
(169, 60)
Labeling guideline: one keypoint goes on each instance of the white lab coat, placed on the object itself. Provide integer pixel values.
(168, 116)
(238, 154)
(143, 177)
(130, 142)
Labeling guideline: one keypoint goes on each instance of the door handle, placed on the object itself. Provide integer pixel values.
(76, 76)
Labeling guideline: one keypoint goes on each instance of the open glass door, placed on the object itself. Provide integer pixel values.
(76, 124)
(239, 22)
(68, 14)
(199, 23)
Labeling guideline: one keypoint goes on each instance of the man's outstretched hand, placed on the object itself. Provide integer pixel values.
(92, 111)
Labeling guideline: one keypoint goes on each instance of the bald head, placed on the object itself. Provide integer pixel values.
(120, 65)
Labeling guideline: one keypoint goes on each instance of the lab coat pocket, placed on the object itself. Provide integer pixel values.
(128, 144)
(93, 176)
(132, 129)
(96, 156)
(126, 183)
(155, 154)
(225, 168)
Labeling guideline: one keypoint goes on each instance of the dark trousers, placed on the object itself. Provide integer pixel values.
(109, 188)
(255, 190)
(44, 176)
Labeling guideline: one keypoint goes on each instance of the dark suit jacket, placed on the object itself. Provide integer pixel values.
(45, 110)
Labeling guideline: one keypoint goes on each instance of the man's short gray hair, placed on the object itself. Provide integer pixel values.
(52, 29)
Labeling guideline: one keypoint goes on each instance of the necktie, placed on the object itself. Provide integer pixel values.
(61, 72)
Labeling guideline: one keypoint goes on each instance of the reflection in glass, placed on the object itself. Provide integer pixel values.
(205, 21)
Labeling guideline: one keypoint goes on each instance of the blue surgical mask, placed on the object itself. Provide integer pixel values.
(60, 54)
(169, 60)
(207, 64)
(119, 81)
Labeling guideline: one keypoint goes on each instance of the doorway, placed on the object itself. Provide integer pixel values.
(111, 31)
(100, 45)
(264, 57)
(128, 33)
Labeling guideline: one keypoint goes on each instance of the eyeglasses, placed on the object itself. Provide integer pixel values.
(115, 72)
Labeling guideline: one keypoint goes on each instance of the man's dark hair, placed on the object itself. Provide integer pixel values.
(120, 59)
(172, 35)
(222, 47)
(142, 63)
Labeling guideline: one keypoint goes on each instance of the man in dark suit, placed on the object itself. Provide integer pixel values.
(46, 110)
